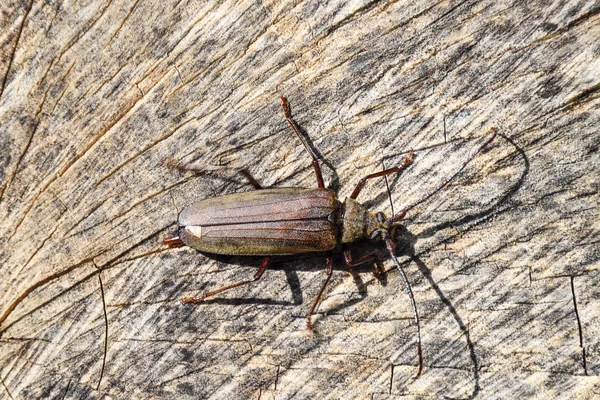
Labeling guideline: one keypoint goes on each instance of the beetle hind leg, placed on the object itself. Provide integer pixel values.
(202, 297)
(316, 302)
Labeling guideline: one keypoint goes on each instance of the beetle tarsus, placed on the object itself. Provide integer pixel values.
(286, 107)
(309, 329)
(408, 160)
(379, 271)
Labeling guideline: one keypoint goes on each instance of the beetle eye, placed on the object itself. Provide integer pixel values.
(380, 217)
(375, 234)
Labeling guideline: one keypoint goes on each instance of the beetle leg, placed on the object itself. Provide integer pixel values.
(315, 163)
(407, 161)
(201, 298)
(316, 302)
(379, 270)
(169, 162)
(250, 178)
(172, 241)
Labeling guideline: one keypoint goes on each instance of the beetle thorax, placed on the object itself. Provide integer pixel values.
(360, 223)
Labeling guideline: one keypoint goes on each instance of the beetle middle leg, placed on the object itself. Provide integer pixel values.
(316, 302)
(315, 162)
(201, 298)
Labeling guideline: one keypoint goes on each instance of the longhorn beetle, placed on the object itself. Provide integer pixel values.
(289, 221)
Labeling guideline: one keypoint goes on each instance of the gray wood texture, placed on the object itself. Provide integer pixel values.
(94, 95)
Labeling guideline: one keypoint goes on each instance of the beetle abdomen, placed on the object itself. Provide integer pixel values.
(262, 222)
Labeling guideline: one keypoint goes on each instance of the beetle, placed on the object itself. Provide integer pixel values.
(287, 221)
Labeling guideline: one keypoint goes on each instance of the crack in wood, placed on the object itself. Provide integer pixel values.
(579, 328)
(6, 389)
(84, 31)
(14, 49)
(67, 389)
(105, 330)
(122, 23)
(37, 249)
(391, 379)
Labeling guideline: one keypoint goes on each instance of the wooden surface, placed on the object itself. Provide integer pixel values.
(94, 95)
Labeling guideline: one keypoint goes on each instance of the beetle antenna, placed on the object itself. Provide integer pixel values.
(392, 249)
(402, 213)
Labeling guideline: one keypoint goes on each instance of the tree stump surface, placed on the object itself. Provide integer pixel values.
(504, 262)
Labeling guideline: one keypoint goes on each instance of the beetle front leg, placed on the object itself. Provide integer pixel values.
(169, 162)
(379, 270)
(316, 302)
(256, 277)
(407, 161)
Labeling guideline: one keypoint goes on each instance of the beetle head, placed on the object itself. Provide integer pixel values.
(378, 227)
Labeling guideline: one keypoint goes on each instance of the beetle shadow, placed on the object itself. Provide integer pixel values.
(316, 262)
(299, 263)
(406, 246)
(362, 291)
(494, 209)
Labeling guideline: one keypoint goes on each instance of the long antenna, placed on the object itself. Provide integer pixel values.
(392, 249)
(402, 213)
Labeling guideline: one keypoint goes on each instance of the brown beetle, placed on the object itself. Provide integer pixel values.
(291, 221)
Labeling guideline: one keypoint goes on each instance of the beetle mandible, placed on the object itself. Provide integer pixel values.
(289, 221)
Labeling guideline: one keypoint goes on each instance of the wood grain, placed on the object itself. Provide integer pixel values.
(94, 95)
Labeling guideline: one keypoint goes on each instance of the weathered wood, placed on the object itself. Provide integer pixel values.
(505, 263)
